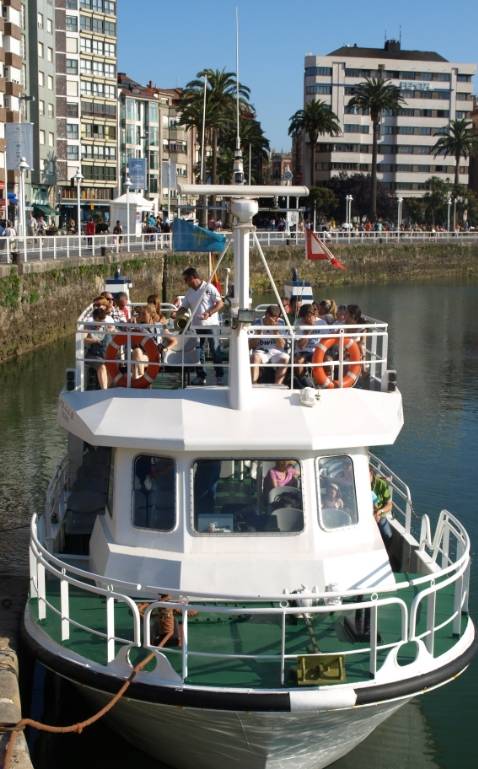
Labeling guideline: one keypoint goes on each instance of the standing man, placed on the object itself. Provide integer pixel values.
(204, 300)
(90, 230)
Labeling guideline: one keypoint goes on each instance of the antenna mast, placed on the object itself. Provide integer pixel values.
(238, 168)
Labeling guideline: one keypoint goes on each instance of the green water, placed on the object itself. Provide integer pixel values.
(434, 346)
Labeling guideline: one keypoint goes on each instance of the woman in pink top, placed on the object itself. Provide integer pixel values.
(282, 474)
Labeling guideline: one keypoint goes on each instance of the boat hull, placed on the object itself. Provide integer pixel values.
(200, 738)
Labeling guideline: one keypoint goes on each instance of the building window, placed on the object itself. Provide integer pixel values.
(41, 78)
(51, 111)
(310, 71)
(40, 50)
(49, 26)
(41, 136)
(40, 20)
(352, 128)
(72, 88)
(50, 82)
(49, 54)
(72, 131)
(71, 23)
(41, 107)
(51, 139)
(72, 66)
(72, 152)
(72, 109)
(318, 88)
(72, 45)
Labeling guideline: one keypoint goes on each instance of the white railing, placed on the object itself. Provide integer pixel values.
(370, 341)
(450, 539)
(64, 247)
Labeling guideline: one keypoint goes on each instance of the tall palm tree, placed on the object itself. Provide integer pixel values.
(314, 120)
(374, 96)
(460, 141)
(220, 106)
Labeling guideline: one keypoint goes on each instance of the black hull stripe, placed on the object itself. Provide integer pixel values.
(247, 701)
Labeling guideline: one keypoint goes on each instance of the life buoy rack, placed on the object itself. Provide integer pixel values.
(119, 378)
(354, 367)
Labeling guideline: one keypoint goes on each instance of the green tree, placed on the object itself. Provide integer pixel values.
(435, 201)
(324, 201)
(375, 96)
(459, 141)
(314, 120)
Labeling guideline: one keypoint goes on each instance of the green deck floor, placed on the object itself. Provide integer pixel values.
(244, 634)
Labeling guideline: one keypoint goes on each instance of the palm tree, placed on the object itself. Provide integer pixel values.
(220, 106)
(314, 120)
(460, 141)
(374, 96)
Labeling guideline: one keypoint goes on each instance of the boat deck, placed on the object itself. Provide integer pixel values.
(256, 637)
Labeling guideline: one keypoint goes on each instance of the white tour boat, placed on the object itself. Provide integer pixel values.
(242, 517)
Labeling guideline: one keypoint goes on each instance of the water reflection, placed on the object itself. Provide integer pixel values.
(433, 344)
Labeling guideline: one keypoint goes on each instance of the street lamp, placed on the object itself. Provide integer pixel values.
(454, 213)
(127, 184)
(78, 178)
(348, 209)
(23, 167)
(399, 214)
(448, 215)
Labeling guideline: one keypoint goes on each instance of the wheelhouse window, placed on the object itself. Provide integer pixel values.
(338, 501)
(154, 493)
(237, 496)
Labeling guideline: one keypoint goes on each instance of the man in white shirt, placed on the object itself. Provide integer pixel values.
(204, 301)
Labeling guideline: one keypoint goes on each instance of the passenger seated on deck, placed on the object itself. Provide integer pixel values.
(153, 325)
(270, 348)
(96, 342)
(306, 344)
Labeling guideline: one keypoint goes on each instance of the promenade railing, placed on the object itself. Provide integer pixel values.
(64, 247)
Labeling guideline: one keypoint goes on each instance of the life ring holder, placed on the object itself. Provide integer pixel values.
(120, 379)
(354, 368)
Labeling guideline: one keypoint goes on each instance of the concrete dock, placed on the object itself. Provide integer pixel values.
(13, 594)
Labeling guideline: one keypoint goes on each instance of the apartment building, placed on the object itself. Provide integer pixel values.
(11, 89)
(435, 91)
(39, 105)
(149, 129)
(86, 56)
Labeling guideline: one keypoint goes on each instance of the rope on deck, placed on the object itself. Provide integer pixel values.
(75, 728)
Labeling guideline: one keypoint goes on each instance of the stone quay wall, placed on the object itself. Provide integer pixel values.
(40, 301)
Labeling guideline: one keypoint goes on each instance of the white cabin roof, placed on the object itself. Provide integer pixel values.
(200, 419)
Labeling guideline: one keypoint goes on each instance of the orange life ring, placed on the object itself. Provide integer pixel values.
(120, 379)
(353, 369)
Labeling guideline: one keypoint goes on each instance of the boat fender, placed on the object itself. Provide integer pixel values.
(330, 698)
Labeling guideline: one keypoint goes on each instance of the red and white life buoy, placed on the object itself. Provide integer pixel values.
(354, 367)
(119, 378)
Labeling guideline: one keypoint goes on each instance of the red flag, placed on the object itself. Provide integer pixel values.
(315, 248)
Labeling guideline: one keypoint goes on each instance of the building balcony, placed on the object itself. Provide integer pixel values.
(12, 30)
(13, 89)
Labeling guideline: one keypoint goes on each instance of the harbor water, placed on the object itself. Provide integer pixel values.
(434, 346)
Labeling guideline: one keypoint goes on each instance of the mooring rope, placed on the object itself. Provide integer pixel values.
(72, 728)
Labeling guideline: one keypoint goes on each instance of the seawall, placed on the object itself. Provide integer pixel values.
(40, 301)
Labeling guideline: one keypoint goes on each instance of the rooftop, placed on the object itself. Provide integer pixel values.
(391, 50)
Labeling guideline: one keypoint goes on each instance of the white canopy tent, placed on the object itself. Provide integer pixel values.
(137, 206)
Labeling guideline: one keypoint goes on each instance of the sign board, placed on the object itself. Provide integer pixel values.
(168, 174)
(137, 173)
(19, 140)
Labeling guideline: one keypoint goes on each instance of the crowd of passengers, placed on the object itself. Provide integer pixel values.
(204, 304)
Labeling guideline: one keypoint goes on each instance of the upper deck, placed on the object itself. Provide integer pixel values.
(358, 404)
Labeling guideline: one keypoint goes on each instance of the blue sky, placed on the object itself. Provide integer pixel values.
(169, 42)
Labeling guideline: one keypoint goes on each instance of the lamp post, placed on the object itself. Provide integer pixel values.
(448, 213)
(454, 214)
(23, 167)
(399, 215)
(127, 184)
(78, 178)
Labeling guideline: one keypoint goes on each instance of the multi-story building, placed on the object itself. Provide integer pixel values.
(473, 183)
(86, 55)
(149, 129)
(435, 91)
(40, 101)
(11, 89)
